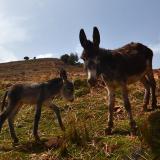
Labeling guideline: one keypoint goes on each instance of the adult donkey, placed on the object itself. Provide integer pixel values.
(117, 68)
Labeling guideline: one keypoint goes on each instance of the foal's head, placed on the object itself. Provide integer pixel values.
(90, 54)
(67, 90)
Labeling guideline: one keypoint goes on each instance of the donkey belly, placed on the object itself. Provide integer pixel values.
(29, 100)
(135, 78)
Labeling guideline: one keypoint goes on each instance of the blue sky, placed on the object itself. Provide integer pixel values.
(50, 28)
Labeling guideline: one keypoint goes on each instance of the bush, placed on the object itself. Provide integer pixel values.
(65, 58)
(71, 59)
(81, 87)
(150, 130)
(26, 58)
(82, 92)
(79, 83)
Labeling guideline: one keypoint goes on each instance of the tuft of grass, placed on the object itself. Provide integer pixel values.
(81, 87)
(150, 130)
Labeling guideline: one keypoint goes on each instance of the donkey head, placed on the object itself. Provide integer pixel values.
(90, 54)
(68, 87)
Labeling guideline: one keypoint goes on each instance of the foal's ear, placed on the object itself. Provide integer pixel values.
(96, 36)
(63, 74)
(82, 38)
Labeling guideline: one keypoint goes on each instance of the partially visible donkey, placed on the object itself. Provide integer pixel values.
(117, 68)
(39, 94)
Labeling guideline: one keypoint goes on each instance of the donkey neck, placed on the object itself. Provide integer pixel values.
(54, 85)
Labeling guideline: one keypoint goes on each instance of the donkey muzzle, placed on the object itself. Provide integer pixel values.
(92, 82)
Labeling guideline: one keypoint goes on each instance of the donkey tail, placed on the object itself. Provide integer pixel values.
(3, 102)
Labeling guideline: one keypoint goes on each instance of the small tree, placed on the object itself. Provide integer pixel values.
(65, 58)
(34, 58)
(73, 59)
(26, 58)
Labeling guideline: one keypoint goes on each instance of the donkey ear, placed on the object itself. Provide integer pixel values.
(82, 38)
(63, 74)
(96, 36)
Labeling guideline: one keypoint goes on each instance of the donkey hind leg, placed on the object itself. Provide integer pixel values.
(11, 118)
(152, 82)
(58, 114)
(36, 121)
(146, 84)
(111, 103)
(127, 106)
(6, 113)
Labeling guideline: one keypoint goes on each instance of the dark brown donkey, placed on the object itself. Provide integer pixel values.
(117, 68)
(39, 94)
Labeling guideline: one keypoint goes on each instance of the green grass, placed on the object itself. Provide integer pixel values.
(85, 121)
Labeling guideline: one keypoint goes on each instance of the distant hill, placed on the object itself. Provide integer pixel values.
(35, 70)
(39, 70)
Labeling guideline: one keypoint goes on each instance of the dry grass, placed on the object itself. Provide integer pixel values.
(85, 120)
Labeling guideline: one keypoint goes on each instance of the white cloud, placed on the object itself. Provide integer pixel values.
(156, 54)
(46, 55)
(12, 31)
(79, 49)
(6, 55)
(155, 48)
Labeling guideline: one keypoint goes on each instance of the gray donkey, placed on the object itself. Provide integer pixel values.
(39, 94)
(118, 68)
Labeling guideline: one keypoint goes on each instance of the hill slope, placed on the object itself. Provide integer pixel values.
(34, 70)
(85, 119)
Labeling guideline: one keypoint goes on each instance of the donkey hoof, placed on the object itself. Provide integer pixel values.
(62, 128)
(37, 139)
(15, 142)
(155, 107)
(108, 131)
(134, 131)
(144, 110)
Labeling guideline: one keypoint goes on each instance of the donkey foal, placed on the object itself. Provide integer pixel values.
(39, 94)
(118, 68)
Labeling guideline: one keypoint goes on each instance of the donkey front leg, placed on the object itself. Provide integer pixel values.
(111, 103)
(58, 114)
(36, 121)
(127, 106)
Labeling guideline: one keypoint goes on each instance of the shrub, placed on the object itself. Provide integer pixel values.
(79, 83)
(150, 130)
(65, 58)
(26, 58)
(71, 59)
(81, 87)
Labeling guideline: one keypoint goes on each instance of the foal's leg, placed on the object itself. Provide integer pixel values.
(6, 113)
(36, 121)
(111, 103)
(147, 93)
(58, 114)
(152, 82)
(127, 106)
(11, 118)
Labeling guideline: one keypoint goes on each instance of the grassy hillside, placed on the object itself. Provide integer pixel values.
(85, 120)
